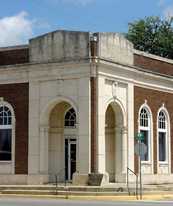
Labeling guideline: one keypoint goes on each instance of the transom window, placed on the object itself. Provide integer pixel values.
(162, 120)
(145, 129)
(162, 136)
(70, 118)
(144, 118)
(5, 133)
(5, 116)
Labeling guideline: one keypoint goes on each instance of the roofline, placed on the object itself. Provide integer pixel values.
(152, 56)
(139, 69)
(17, 47)
(59, 30)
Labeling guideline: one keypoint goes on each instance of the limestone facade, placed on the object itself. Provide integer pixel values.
(104, 81)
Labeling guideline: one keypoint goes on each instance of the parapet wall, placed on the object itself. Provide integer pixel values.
(115, 47)
(59, 46)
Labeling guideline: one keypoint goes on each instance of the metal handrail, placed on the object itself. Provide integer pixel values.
(136, 190)
(57, 177)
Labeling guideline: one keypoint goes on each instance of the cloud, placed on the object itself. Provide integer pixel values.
(15, 29)
(75, 2)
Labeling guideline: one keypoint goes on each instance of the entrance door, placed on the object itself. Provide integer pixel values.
(70, 158)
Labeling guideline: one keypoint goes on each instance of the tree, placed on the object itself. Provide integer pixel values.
(152, 35)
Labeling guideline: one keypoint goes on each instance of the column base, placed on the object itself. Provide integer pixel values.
(96, 179)
(93, 179)
(80, 179)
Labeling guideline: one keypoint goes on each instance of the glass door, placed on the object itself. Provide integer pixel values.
(70, 158)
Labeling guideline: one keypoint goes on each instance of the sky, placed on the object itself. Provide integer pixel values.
(21, 20)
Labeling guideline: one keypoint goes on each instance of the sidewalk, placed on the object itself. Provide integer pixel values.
(146, 197)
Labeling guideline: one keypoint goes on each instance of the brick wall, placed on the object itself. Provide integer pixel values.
(153, 64)
(17, 96)
(14, 56)
(155, 99)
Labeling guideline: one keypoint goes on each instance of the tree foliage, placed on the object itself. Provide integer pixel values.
(153, 35)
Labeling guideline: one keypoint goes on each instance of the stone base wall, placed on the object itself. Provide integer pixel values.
(23, 179)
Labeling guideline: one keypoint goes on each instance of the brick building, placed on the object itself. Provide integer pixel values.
(71, 103)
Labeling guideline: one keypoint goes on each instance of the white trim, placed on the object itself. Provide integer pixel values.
(168, 140)
(150, 135)
(137, 77)
(74, 141)
(13, 127)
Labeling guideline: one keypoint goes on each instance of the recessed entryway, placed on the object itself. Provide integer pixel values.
(62, 142)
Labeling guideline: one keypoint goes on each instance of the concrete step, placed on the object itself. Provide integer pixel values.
(83, 190)
(61, 193)
(63, 188)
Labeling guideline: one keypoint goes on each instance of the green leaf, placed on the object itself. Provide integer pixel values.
(152, 34)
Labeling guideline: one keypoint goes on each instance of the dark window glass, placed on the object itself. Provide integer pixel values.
(162, 146)
(66, 159)
(5, 116)
(1, 120)
(5, 120)
(5, 144)
(144, 118)
(70, 118)
(146, 142)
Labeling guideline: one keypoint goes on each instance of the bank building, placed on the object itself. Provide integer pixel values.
(71, 103)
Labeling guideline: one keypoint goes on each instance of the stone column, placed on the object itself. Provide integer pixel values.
(130, 132)
(77, 147)
(44, 146)
(101, 128)
(101, 167)
(124, 150)
(101, 153)
(84, 126)
(83, 136)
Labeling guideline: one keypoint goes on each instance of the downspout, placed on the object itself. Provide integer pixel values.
(93, 89)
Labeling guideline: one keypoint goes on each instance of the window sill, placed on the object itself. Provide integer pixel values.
(163, 163)
(5, 162)
(146, 163)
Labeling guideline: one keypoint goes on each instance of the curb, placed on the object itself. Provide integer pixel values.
(156, 197)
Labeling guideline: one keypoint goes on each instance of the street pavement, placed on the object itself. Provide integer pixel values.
(6, 201)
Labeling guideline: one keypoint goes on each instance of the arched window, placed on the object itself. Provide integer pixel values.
(145, 129)
(5, 134)
(162, 135)
(70, 118)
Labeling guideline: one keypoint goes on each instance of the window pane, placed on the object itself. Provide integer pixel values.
(162, 120)
(5, 116)
(144, 118)
(1, 120)
(5, 120)
(162, 146)
(5, 144)
(146, 142)
(70, 118)
(9, 120)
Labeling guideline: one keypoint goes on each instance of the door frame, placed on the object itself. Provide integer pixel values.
(71, 140)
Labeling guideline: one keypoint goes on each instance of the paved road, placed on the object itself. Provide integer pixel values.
(4, 201)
